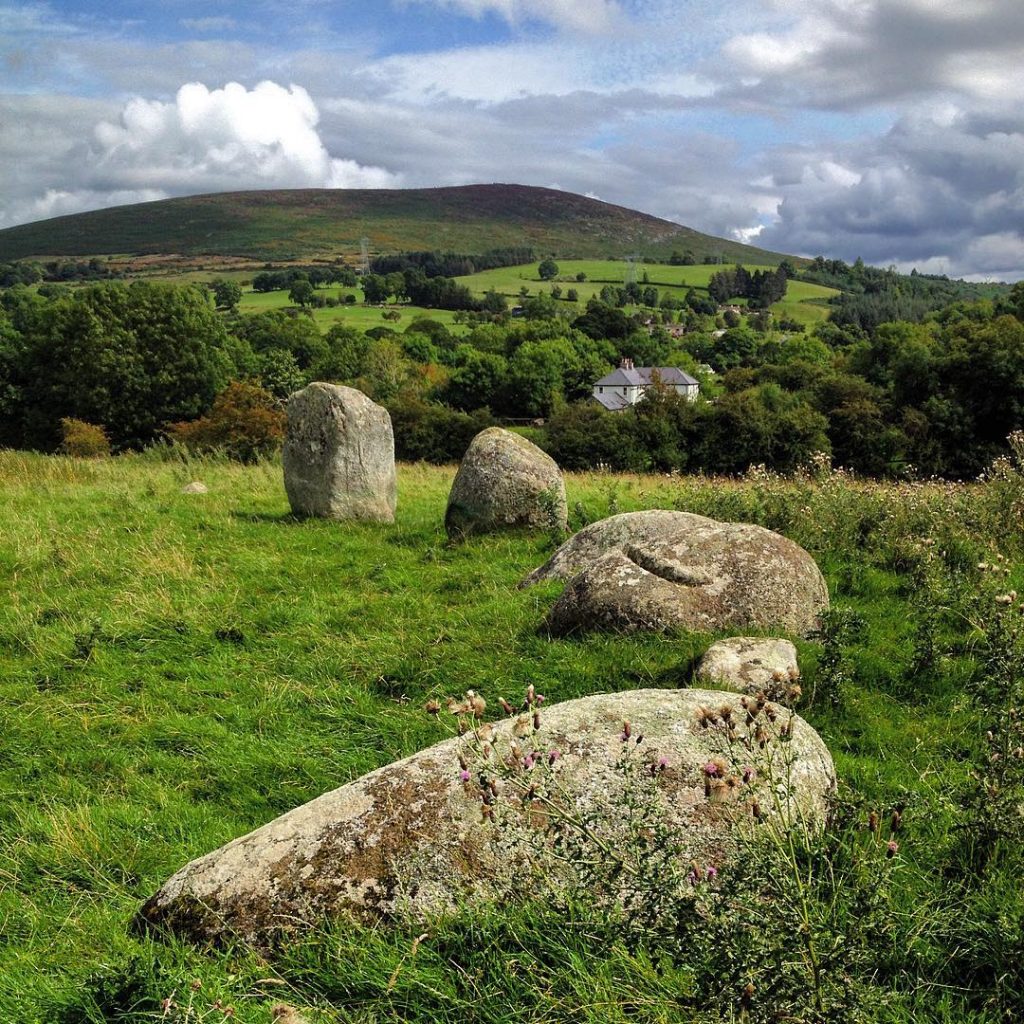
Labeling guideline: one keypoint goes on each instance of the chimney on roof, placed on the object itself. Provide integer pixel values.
(626, 364)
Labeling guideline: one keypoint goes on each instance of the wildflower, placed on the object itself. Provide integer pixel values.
(873, 822)
(662, 763)
(530, 694)
(891, 849)
(540, 698)
(505, 706)
(553, 756)
(712, 770)
(464, 775)
(536, 720)
(712, 872)
(748, 775)
(433, 707)
(528, 762)
(627, 731)
(477, 705)
(896, 821)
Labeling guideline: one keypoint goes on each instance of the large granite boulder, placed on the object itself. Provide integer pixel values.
(505, 481)
(339, 455)
(457, 822)
(674, 570)
(748, 664)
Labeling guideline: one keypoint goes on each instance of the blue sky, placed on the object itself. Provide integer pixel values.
(887, 129)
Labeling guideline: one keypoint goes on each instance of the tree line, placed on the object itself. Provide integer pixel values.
(935, 397)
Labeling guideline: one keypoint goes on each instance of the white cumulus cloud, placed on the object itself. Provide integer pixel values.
(229, 138)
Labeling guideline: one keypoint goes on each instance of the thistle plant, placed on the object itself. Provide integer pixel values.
(767, 927)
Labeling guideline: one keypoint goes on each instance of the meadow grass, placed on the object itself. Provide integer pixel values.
(179, 669)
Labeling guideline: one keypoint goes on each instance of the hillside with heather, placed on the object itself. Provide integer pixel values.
(311, 223)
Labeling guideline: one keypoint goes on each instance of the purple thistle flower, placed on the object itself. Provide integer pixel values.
(464, 775)
(528, 761)
(662, 763)
(711, 770)
(712, 872)
(553, 756)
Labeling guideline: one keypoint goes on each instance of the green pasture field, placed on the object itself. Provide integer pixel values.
(805, 303)
(360, 316)
(176, 670)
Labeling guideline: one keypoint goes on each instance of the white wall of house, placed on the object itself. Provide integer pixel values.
(632, 394)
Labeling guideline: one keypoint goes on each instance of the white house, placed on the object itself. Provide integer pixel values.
(628, 384)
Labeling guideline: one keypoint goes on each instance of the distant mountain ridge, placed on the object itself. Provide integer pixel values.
(317, 223)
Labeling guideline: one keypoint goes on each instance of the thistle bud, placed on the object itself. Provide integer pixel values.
(505, 706)
(895, 821)
(536, 720)
(873, 822)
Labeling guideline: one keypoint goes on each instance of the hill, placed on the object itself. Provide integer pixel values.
(311, 223)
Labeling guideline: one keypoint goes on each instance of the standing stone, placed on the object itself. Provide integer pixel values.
(660, 570)
(195, 487)
(748, 664)
(408, 841)
(505, 481)
(339, 455)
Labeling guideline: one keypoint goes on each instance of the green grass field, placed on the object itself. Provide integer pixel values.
(805, 303)
(179, 669)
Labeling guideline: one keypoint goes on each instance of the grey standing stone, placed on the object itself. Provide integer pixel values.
(408, 840)
(752, 665)
(660, 570)
(195, 487)
(505, 481)
(339, 455)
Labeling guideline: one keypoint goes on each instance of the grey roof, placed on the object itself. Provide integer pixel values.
(613, 403)
(641, 376)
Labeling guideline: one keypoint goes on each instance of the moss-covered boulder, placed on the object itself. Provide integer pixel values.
(458, 822)
(505, 481)
(661, 570)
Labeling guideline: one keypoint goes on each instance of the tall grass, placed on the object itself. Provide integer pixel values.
(176, 670)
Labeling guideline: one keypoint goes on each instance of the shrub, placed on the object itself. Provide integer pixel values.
(83, 440)
(433, 433)
(245, 423)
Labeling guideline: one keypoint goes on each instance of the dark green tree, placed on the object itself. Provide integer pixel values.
(548, 270)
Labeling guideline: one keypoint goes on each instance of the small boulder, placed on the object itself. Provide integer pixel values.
(505, 481)
(339, 455)
(196, 487)
(752, 665)
(661, 570)
(420, 836)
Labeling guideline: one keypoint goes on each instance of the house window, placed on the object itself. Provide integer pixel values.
(600, 391)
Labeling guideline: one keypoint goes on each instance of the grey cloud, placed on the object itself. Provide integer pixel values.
(836, 55)
(944, 194)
